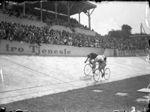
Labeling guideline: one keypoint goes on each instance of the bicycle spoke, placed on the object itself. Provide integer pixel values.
(87, 69)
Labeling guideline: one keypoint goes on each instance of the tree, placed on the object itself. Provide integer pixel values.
(126, 30)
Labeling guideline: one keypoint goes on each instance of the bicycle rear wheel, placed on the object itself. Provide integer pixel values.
(96, 75)
(87, 69)
(107, 74)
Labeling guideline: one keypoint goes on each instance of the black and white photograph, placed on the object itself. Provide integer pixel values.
(74, 56)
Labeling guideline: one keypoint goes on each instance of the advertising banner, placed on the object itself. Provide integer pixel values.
(20, 48)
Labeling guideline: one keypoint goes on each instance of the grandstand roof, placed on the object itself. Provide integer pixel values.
(76, 6)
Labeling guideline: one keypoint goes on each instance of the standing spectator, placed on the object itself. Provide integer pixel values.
(65, 41)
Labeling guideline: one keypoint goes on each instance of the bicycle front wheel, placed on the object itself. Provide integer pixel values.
(87, 69)
(107, 74)
(96, 75)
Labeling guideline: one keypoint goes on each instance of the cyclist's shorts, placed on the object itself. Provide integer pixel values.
(102, 65)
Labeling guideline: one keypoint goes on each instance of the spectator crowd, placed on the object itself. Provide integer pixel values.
(32, 34)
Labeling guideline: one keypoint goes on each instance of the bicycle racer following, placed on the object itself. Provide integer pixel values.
(101, 59)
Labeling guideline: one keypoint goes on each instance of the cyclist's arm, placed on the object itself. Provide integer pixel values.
(86, 60)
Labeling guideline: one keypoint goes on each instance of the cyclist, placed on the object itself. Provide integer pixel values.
(91, 57)
(148, 54)
(101, 59)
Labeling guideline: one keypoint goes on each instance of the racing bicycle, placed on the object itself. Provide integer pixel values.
(99, 73)
(96, 73)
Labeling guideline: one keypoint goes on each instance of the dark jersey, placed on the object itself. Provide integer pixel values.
(92, 55)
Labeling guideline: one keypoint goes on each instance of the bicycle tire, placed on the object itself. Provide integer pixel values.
(87, 69)
(107, 74)
(96, 75)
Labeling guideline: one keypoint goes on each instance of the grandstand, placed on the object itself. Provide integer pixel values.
(50, 22)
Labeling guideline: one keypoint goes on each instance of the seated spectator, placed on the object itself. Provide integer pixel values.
(33, 34)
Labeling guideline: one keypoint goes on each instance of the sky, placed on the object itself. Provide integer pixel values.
(112, 15)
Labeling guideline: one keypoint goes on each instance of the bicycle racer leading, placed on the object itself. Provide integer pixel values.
(91, 57)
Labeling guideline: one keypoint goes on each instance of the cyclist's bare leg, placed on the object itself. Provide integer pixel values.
(103, 72)
(99, 66)
(102, 68)
(94, 66)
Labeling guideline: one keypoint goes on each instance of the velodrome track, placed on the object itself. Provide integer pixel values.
(33, 76)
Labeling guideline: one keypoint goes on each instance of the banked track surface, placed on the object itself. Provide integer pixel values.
(32, 76)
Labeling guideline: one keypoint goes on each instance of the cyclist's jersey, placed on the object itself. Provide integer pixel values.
(100, 58)
(92, 55)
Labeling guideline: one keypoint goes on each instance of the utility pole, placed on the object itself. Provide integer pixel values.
(142, 29)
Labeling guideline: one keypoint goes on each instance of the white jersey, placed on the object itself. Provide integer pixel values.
(100, 58)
